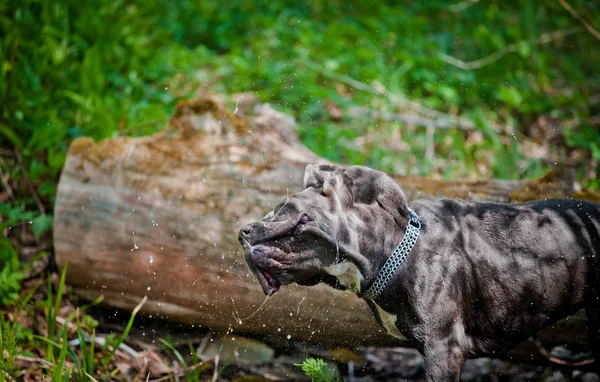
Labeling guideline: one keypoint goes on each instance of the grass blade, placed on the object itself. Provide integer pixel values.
(50, 321)
(124, 335)
(61, 288)
(59, 374)
(52, 308)
(28, 297)
(175, 351)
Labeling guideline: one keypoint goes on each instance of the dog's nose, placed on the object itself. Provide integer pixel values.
(247, 229)
(246, 234)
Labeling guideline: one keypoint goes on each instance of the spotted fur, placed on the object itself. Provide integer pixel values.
(481, 278)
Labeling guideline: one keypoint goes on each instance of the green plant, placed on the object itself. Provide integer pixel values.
(88, 362)
(52, 308)
(8, 350)
(60, 372)
(318, 370)
(11, 274)
(84, 364)
(113, 345)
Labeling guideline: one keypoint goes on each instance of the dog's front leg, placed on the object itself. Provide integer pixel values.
(444, 359)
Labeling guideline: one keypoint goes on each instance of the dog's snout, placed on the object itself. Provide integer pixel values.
(247, 229)
(247, 233)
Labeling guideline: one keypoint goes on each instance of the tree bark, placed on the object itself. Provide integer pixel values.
(158, 216)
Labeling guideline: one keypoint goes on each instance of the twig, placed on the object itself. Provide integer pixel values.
(477, 64)
(28, 182)
(394, 98)
(142, 370)
(163, 378)
(407, 118)
(41, 361)
(180, 373)
(375, 90)
(578, 17)
(216, 372)
(102, 342)
(139, 306)
(6, 153)
(576, 122)
(69, 324)
(5, 178)
(462, 5)
(429, 144)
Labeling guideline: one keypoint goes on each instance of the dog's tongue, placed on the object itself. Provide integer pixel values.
(269, 284)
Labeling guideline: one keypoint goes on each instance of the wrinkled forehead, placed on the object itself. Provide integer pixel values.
(308, 201)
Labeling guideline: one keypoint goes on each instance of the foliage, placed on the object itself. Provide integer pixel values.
(118, 68)
(11, 273)
(80, 362)
(192, 371)
(8, 349)
(318, 370)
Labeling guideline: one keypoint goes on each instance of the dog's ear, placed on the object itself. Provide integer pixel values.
(338, 186)
(315, 175)
(372, 186)
(392, 199)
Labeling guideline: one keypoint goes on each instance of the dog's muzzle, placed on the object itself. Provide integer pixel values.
(259, 258)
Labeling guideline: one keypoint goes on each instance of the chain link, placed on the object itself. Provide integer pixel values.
(397, 258)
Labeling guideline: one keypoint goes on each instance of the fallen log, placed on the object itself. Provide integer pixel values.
(158, 216)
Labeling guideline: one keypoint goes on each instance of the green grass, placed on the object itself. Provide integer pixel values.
(318, 370)
(83, 362)
(8, 349)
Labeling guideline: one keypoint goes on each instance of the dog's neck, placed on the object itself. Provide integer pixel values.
(349, 276)
(397, 258)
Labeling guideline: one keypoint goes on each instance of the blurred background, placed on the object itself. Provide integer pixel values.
(473, 89)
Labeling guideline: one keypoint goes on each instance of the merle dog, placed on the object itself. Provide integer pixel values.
(479, 278)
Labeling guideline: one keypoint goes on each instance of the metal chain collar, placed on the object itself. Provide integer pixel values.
(397, 258)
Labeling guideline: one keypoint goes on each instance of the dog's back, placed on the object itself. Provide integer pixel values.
(518, 267)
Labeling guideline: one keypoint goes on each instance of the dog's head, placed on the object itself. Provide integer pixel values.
(339, 230)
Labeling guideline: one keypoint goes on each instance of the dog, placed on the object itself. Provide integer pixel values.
(458, 279)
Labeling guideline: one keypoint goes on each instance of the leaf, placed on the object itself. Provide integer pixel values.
(10, 135)
(317, 370)
(42, 224)
(524, 49)
(47, 188)
(511, 96)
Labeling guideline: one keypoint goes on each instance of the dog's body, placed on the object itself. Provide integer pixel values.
(480, 279)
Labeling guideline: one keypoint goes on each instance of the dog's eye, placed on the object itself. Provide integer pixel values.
(304, 219)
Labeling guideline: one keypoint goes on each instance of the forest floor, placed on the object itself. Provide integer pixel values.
(108, 345)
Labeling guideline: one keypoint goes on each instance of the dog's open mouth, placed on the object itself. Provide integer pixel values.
(269, 283)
